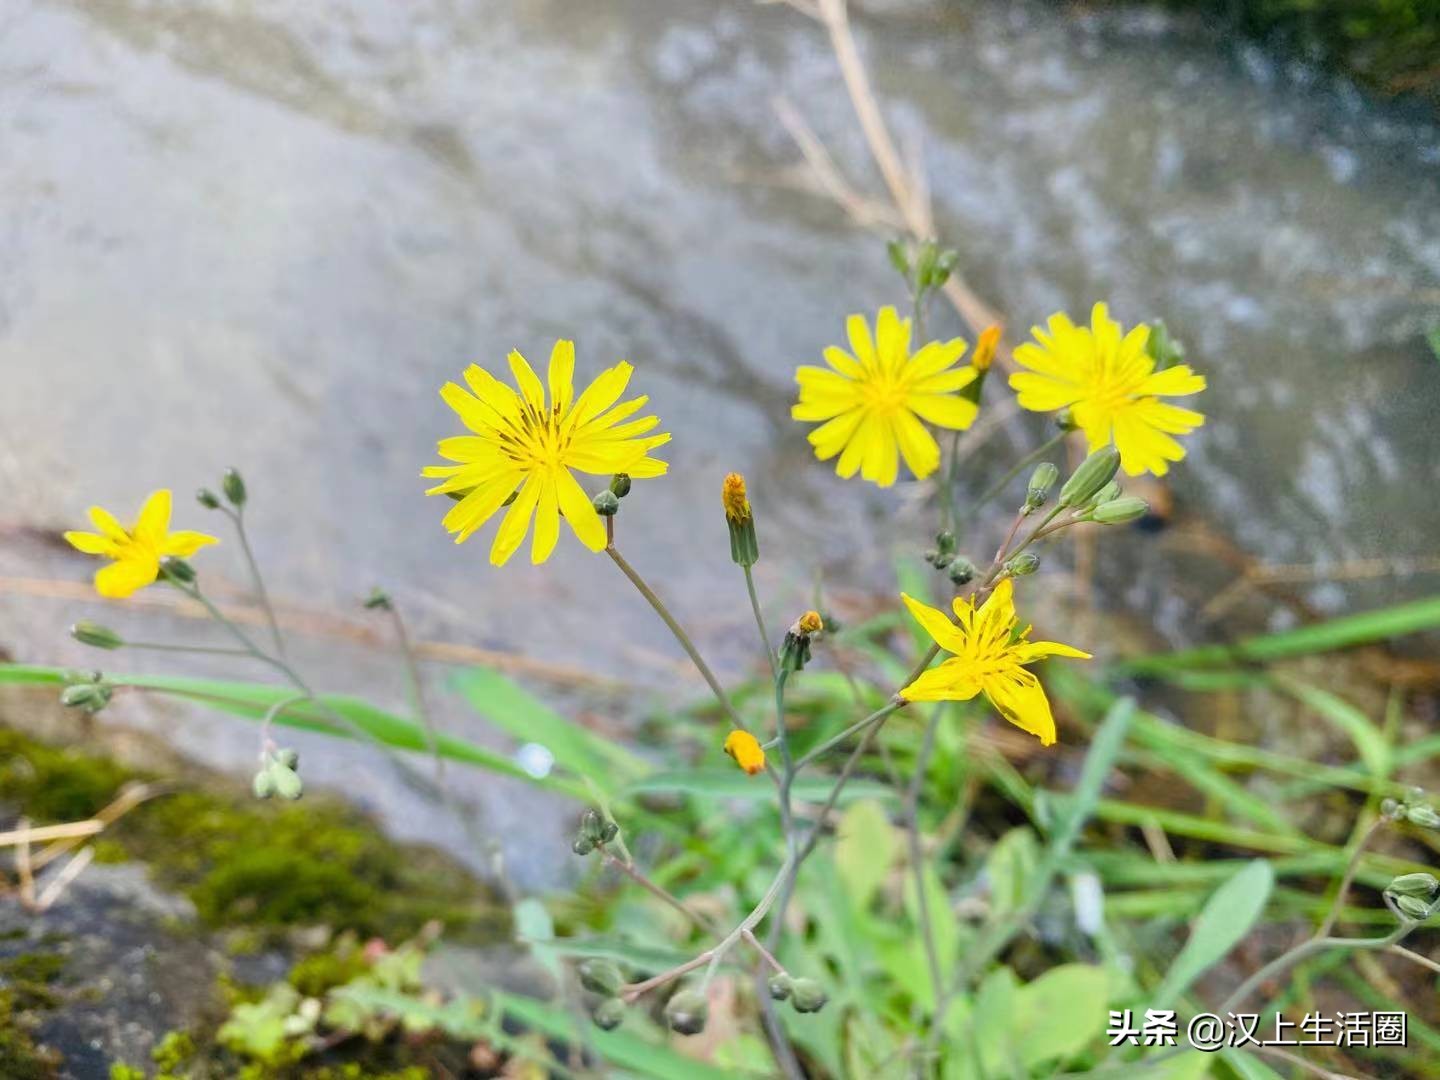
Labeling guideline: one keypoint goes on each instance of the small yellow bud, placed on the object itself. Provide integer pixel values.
(746, 750)
(985, 348)
(809, 623)
(732, 494)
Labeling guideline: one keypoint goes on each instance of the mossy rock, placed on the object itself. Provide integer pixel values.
(246, 863)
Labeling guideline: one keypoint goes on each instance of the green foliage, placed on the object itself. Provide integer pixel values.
(1229, 915)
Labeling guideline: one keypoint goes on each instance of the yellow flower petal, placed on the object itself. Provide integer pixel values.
(531, 392)
(1018, 696)
(185, 543)
(579, 511)
(516, 522)
(91, 543)
(126, 576)
(562, 375)
(547, 522)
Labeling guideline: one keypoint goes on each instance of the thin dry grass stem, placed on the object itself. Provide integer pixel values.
(26, 834)
(827, 180)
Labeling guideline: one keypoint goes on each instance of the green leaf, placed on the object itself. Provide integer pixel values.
(1099, 760)
(534, 927)
(362, 720)
(1229, 914)
(1248, 1066)
(944, 928)
(990, 1023)
(525, 717)
(1433, 340)
(1059, 1013)
(864, 849)
(1187, 1065)
(1011, 867)
(731, 783)
(1337, 633)
(1372, 746)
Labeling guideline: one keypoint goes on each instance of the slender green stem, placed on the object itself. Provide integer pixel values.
(760, 623)
(416, 687)
(211, 650)
(854, 729)
(238, 517)
(1308, 948)
(680, 635)
(1352, 866)
(1015, 470)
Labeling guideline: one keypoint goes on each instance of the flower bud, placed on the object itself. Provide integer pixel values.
(287, 757)
(590, 824)
(687, 1012)
(1027, 562)
(746, 750)
(89, 697)
(609, 1014)
(1094, 473)
(95, 635)
(608, 831)
(1413, 907)
(962, 571)
(985, 347)
(233, 484)
(582, 846)
(620, 484)
(807, 996)
(1421, 885)
(1119, 511)
(378, 600)
(1163, 349)
(606, 503)
(1041, 481)
(945, 543)
(744, 547)
(262, 785)
(1108, 493)
(288, 784)
(208, 499)
(1389, 808)
(780, 986)
(600, 977)
(1423, 816)
(899, 257)
(1065, 420)
(177, 569)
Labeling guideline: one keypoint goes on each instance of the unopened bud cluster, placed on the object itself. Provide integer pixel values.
(278, 776)
(740, 520)
(87, 691)
(805, 995)
(604, 979)
(1414, 895)
(1413, 808)
(943, 556)
(95, 635)
(1093, 494)
(607, 502)
(594, 831)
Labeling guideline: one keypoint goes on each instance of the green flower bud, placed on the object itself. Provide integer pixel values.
(582, 846)
(795, 649)
(287, 757)
(607, 503)
(945, 542)
(1423, 816)
(378, 600)
(1108, 493)
(1421, 885)
(600, 977)
(89, 697)
(1119, 511)
(608, 832)
(177, 569)
(620, 484)
(609, 1014)
(262, 785)
(590, 824)
(233, 484)
(1413, 907)
(899, 258)
(95, 635)
(208, 499)
(925, 264)
(962, 570)
(687, 1012)
(1027, 562)
(1163, 349)
(1094, 473)
(1041, 481)
(288, 784)
(1065, 420)
(780, 986)
(807, 996)
(1389, 808)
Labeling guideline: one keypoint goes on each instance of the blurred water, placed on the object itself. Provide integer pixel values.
(261, 233)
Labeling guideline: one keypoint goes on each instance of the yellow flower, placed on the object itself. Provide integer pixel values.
(746, 750)
(732, 495)
(1109, 383)
(872, 400)
(989, 658)
(985, 346)
(809, 623)
(136, 552)
(523, 450)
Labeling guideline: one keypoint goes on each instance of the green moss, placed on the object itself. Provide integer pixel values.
(29, 977)
(248, 863)
(173, 1052)
(321, 972)
(20, 1058)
